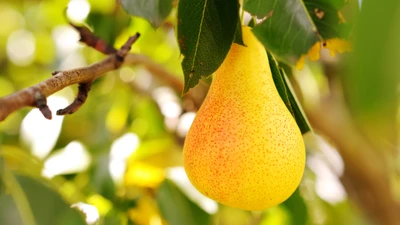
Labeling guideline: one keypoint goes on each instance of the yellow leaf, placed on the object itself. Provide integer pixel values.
(313, 53)
(143, 175)
(102, 204)
(337, 45)
(300, 62)
(334, 45)
(146, 213)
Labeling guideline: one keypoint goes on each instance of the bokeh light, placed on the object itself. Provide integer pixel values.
(21, 47)
(74, 158)
(78, 10)
(90, 211)
(120, 151)
(39, 133)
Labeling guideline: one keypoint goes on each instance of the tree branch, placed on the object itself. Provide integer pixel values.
(36, 95)
(83, 92)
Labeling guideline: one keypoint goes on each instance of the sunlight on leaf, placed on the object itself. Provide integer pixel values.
(120, 151)
(73, 158)
(39, 133)
(314, 52)
(143, 175)
(102, 204)
(90, 211)
(300, 62)
(338, 45)
(333, 45)
(146, 213)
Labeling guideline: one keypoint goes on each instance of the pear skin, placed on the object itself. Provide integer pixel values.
(244, 149)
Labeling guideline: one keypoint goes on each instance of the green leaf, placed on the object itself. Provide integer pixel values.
(291, 27)
(35, 203)
(297, 207)
(206, 29)
(177, 209)
(325, 15)
(287, 30)
(108, 27)
(372, 86)
(238, 39)
(154, 11)
(288, 96)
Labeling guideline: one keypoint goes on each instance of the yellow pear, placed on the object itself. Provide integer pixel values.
(244, 149)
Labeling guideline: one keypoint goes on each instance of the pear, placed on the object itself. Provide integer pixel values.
(244, 149)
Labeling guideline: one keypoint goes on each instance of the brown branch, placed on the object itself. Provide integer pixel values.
(84, 88)
(60, 80)
(158, 71)
(91, 40)
(41, 103)
(83, 91)
(85, 75)
(36, 95)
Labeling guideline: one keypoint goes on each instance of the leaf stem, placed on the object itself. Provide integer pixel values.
(242, 15)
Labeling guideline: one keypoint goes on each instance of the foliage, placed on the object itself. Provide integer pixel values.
(121, 152)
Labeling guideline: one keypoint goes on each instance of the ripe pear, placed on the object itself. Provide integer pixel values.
(244, 149)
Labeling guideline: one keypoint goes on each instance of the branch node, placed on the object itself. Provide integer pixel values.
(55, 72)
(124, 50)
(83, 91)
(41, 103)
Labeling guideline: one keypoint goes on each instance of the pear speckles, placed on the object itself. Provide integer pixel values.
(244, 149)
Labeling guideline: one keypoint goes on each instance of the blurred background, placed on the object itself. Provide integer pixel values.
(118, 160)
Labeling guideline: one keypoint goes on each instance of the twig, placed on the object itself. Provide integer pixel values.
(91, 40)
(85, 76)
(83, 91)
(35, 95)
(41, 103)
(194, 98)
(26, 97)
(84, 88)
(88, 38)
